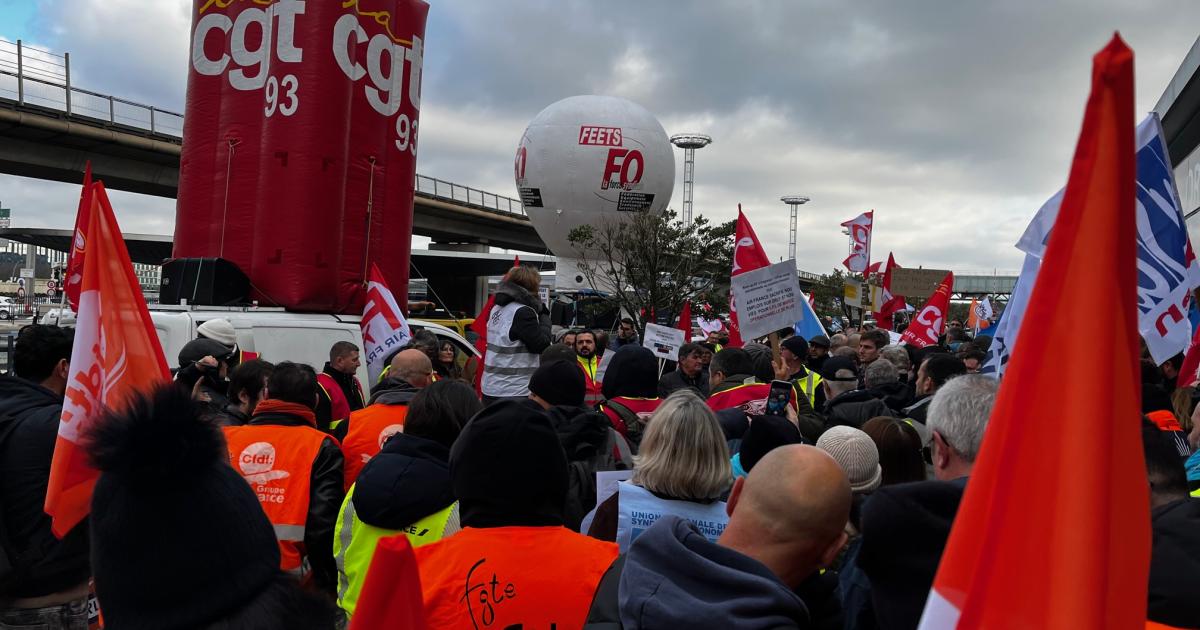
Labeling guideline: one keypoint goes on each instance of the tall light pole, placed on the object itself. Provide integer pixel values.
(794, 202)
(689, 142)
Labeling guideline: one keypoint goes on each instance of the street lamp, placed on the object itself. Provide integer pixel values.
(689, 142)
(794, 202)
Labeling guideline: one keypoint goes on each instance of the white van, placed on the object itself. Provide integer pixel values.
(280, 335)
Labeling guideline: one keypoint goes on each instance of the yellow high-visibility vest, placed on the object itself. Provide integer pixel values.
(354, 544)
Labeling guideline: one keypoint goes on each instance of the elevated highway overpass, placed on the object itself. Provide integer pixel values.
(49, 129)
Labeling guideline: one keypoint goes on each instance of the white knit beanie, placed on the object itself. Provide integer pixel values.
(856, 453)
(220, 331)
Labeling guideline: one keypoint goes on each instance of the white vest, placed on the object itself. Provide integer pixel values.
(638, 509)
(508, 364)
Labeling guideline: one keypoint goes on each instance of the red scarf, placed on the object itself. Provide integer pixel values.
(272, 405)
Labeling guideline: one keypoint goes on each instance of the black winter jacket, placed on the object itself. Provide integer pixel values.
(854, 409)
(408, 480)
(676, 380)
(324, 502)
(895, 395)
(530, 326)
(904, 531)
(29, 417)
(351, 388)
(588, 439)
(1175, 564)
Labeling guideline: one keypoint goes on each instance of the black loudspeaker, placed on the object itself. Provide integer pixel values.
(205, 281)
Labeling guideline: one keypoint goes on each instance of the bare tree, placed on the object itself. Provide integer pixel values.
(650, 264)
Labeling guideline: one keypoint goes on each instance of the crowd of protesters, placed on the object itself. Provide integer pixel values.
(251, 494)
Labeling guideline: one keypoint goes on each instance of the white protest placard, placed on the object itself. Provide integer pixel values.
(663, 341)
(544, 295)
(767, 299)
(606, 486)
(606, 483)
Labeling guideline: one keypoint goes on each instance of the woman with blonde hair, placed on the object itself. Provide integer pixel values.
(682, 468)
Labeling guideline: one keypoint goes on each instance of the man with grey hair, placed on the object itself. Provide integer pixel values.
(882, 380)
(846, 404)
(898, 357)
(905, 526)
(838, 341)
(957, 418)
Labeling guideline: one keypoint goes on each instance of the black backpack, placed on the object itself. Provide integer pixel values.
(581, 478)
(635, 426)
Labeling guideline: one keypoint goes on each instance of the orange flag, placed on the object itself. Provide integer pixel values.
(1054, 528)
(391, 595)
(116, 352)
(972, 316)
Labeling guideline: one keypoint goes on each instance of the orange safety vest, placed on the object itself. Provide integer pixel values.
(593, 392)
(368, 429)
(339, 406)
(751, 398)
(511, 577)
(277, 463)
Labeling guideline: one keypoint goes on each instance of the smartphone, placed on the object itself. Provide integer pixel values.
(778, 398)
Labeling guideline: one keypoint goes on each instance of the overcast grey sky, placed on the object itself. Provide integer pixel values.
(953, 120)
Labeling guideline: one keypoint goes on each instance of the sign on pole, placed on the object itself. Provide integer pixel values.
(663, 341)
(51, 285)
(768, 299)
(916, 283)
(26, 272)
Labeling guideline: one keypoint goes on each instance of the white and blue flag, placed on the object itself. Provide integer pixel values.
(1167, 267)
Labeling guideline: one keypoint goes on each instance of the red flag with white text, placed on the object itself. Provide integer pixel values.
(384, 328)
(930, 322)
(890, 304)
(73, 276)
(116, 354)
(748, 255)
(860, 228)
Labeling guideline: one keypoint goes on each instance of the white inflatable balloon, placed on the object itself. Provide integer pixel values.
(589, 159)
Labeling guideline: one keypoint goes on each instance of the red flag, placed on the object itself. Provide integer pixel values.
(384, 328)
(685, 321)
(116, 353)
(892, 304)
(1189, 372)
(391, 594)
(930, 321)
(860, 228)
(1061, 481)
(748, 255)
(74, 272)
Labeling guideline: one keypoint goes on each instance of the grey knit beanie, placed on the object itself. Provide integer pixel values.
(856, 453)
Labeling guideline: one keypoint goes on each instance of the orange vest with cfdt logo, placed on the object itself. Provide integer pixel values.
(277, 463)
(369, 428)
(511, 577)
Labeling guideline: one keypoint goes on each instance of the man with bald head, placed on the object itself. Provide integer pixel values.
(786, 520)
(364, 433)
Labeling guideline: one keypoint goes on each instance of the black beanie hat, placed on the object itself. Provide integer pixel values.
(632, 372)
(796, 345)
(559, 383)
(197, 349)
(764, 435)
(179, 539)
(508, 468)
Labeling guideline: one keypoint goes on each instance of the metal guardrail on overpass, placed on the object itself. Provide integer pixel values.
(40, 78)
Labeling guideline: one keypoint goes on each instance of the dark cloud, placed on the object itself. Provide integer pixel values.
(953, 120)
